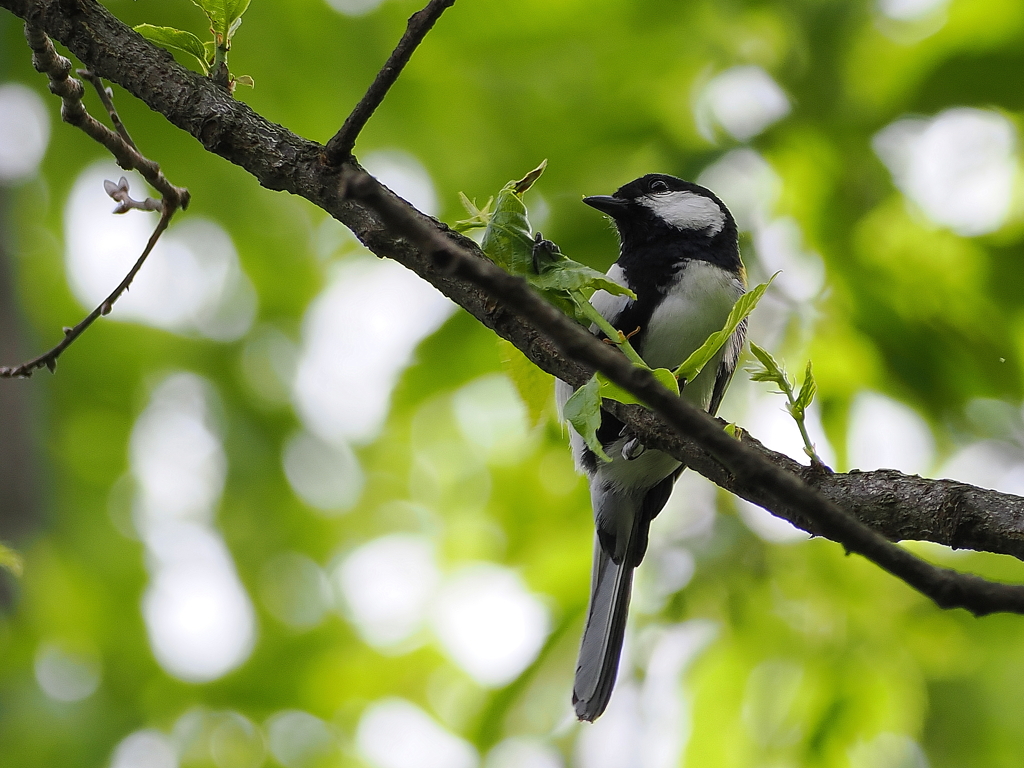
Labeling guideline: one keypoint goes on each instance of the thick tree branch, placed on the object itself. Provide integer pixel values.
(420, 23)
(896, 505)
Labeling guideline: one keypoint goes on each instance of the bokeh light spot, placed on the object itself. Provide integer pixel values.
(358, 335)
(191, 282)
(489, 623)
(386, 586)
(404, 175)
(300, 740)
(886, 434)
(959, 167)
(394, 733)
(145, 749)
(67, 674)
(236, 742)
(324, 475)
(24, 132)
(295, 590)
(521, 752)
(744, 100)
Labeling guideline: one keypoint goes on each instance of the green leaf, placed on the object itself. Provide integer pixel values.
(695, 363)
(245, 80)
(805, 396)
(478, 217)
(530, 179)
(807, 389)
(223, 15)
(508, 239)
(11, 560)
(734, 430)
(770, 371)
(612, 391)
(583, 411)
(568, 275)
(176, 39)
(534, 386)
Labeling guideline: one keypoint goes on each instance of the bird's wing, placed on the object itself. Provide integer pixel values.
(727, 367)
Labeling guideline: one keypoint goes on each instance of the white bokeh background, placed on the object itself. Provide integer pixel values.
(192, 282)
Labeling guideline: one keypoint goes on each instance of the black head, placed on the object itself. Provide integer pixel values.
(671, 216)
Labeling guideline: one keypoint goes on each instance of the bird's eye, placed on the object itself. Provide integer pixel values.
(658, 186)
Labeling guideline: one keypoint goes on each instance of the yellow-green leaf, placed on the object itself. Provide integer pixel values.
(770, 370)
(508, 239)
(534, 386)
(612, 391)
(223, 14)
(807, 389)
(583, 411)
(695, 363)
(175, 39)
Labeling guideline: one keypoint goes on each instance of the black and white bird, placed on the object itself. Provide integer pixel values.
(680, 255)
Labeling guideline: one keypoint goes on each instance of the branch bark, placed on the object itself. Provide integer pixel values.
(895, 505)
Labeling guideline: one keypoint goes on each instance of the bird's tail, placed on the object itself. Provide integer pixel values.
(611, 584)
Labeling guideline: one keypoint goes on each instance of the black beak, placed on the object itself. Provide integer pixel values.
(613, 206)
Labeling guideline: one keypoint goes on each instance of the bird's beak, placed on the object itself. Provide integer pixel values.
(613, 206)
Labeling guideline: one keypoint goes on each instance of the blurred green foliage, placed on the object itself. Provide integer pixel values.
(810, 658)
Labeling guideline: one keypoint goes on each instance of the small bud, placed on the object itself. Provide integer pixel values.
(51, 364)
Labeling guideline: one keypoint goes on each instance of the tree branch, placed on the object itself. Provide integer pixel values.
(49, 359)
(47, 61)
(420, 23)
(897, 505)
(57, 68)
(108, 102)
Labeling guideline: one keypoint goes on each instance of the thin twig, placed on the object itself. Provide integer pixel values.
(49, 359)
(57, 68)
(420, 23)
(948, 588)
(108, 102)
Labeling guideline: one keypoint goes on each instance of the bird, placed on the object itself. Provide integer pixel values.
(679, 254)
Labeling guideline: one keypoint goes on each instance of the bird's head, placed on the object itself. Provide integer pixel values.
(662, 207)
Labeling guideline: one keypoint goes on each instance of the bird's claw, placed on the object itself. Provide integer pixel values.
(633, 449)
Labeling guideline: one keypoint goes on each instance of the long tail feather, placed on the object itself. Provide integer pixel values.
(602, 639)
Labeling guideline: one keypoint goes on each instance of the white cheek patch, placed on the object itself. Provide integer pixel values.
(685, 210)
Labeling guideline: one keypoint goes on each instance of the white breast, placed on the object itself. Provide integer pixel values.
(696, 305)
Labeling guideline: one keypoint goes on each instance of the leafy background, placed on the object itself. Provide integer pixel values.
(900, 244)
